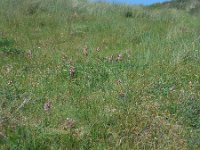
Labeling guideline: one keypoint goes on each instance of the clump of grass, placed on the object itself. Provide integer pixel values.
(12, 51)
(33, 7)
(4, 42)
(7, 47)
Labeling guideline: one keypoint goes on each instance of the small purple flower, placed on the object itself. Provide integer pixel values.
(47, 106)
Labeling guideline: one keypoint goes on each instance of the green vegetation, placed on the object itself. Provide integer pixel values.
(75, 75)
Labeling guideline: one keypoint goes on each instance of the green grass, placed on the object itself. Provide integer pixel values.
(148, 100)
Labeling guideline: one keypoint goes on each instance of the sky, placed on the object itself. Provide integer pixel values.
(138, 2)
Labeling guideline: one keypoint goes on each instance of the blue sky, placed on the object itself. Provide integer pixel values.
(145, 2)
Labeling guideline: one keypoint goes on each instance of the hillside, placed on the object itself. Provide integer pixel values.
(78, 75)
(191, 6)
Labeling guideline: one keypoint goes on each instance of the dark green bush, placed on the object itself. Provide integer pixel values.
(11, 51)
(6, 47)
(33, 7)
(128, 14)
(6, 42)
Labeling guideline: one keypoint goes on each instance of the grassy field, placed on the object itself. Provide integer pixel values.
(75, 75)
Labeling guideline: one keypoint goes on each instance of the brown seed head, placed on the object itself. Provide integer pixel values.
(70, 123)
(173, 88)
(85, 51)
(119, 82)
(122, 94)
(64, 56)
(190, 84)
(72, 71)
(119, 57)
(29, 54)
(10, 82)
(110, 59)
(98, 49)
